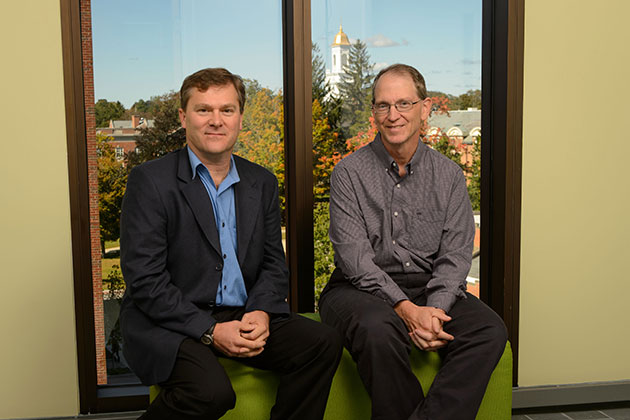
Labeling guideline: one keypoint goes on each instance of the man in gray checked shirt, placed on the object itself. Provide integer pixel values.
(402, 228)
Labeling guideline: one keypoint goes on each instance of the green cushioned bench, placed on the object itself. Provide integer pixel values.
(256, 389)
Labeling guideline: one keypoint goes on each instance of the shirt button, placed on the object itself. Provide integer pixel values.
(224, 287)
(222, 224)
(407, 264)
(411, 172)
(397, 185)
(224, 256)
(219, 267)
(395, 214)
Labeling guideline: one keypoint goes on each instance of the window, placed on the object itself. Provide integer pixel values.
(502, 83)
(371, 38)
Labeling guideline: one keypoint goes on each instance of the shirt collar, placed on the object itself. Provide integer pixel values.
(231, 178)
(388, 161)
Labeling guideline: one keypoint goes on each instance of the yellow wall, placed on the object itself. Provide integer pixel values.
(575, 261)
(38, 361)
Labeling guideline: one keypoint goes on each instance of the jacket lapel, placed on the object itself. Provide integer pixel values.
(198, 200)
(247, 202)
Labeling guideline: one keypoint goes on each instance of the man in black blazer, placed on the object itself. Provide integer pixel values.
(202, 257)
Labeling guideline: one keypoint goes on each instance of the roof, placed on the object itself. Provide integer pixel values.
(341, 38)
(129, 124)
(464, 120)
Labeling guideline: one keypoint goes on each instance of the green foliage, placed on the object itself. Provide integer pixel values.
(165, 136)
(104, 111)
(356, 91)
(144, 108)
(323, 250)
(470, 99)
(252, 87)
(320, 89)
(112, 179)
(326, 144)
(331, 104)
(474, 176)
(115, 282)
(443, 144)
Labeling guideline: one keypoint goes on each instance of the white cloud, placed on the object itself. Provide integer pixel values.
(380, 66)
(381, 41)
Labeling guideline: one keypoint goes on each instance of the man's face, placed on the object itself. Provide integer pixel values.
(399, 128)
(212, 120)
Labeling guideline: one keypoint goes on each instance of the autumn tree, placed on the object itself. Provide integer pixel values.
(104, 111)
(112, 179)
(166, 134)
(356, 90)
(262, 138)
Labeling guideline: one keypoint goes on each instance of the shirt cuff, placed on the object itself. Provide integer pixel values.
(443, 300)
(392, 295)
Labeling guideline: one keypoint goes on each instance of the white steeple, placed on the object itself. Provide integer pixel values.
(340, 50)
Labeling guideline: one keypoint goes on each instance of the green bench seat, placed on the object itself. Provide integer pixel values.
(256, 389)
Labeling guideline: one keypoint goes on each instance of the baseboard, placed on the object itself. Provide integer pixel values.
(572, 394)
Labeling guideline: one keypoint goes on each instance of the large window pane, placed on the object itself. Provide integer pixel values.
(142, 51)
(352, 41)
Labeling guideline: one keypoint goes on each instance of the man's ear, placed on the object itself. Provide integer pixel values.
(427, 103)
(182, 117)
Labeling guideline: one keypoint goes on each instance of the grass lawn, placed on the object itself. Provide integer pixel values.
(112, 244)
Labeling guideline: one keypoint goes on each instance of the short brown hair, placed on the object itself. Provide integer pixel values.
(415, 75)
(205, 78)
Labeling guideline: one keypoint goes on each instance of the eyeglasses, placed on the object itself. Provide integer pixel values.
(401, 106)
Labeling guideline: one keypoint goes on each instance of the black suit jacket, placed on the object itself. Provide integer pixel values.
(172, 261)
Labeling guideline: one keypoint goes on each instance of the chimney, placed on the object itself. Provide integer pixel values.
(135, 121)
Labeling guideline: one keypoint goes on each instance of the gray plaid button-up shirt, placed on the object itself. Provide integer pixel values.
(383, 224)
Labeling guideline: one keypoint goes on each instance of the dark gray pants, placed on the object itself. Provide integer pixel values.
(379, 343)
(304, 352)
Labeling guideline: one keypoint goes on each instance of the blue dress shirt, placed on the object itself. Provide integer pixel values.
(231, 291)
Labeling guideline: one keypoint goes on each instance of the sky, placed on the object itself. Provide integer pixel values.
(143, 48)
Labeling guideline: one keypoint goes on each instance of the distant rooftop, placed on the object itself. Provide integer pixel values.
(461, 123)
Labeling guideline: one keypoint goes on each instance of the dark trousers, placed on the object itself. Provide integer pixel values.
(379, 343)
(304, 352)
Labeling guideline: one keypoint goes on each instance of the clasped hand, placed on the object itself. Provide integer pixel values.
(425, 325)
(244, 338)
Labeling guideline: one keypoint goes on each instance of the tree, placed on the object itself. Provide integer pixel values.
(445, 145)
(112, 179)
(325, 143)
(321, 88)
(470, 99)
(262, 138)
(165, 136)
(324, 263)
(143, 108)
(104, 111)
(474, 175)
(356, 90)
(322, 92)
